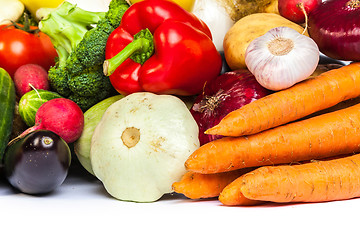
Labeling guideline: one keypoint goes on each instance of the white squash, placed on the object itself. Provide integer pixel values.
(139, 148)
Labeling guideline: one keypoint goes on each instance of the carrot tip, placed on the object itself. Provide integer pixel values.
(187, 165)
(212, 131)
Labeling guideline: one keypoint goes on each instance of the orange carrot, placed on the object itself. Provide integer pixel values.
(327, 135)
(319, 181)
(196, 185)
(285, 106)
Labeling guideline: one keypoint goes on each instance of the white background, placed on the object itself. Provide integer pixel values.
(81, 209)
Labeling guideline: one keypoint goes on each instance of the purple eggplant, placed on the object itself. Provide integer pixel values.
(37, 163)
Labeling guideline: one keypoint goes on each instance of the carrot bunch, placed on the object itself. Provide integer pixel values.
(260, 159)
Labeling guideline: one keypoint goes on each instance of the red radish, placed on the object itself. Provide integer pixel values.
(61, 116)
(297, 10)
(30, 76)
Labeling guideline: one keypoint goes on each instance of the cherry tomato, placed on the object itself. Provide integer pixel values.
(19, 47)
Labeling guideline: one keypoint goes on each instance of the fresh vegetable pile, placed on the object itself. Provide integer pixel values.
(155, 97)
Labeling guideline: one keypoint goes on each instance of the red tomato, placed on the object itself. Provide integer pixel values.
(18, 47)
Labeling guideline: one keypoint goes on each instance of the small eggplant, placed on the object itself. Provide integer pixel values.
(37, 163)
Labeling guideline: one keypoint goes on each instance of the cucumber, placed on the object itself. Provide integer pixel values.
(30, 103)
(7, 107)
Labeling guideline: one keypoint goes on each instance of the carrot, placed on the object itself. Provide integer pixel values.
(319, 181)
(285, 106)
(327, 135)
(196, 185)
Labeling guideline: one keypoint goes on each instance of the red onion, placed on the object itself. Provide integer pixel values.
(226, 93)
(335, 27)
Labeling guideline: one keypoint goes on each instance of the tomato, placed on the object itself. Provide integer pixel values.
(19, 47)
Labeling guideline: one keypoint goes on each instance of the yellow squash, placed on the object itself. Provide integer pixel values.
(34, 5)
(187, 4)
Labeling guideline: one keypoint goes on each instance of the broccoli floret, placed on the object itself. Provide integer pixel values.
(87, 102)
(74, 64)
(116, 10)
(90, 51)
(80, 37)
(80, 83)
(61, 83)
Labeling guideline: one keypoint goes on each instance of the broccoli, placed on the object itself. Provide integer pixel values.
(79, 83)
(80, 37)
(91, 50)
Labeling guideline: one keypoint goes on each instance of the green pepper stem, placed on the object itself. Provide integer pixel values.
(139, 50)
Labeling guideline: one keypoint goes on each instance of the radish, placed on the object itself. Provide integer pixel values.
(30, 76)
(61, 116)
(297, 10)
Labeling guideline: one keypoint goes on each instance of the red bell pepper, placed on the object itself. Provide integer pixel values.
(159, 47)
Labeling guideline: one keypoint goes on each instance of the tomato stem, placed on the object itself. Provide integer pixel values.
(26, 26)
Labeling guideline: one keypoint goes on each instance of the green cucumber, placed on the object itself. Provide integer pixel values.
(30, 103)
(91, 118)
(7, 107)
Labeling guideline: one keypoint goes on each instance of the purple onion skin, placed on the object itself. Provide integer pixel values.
(335, 27)
(226, 93)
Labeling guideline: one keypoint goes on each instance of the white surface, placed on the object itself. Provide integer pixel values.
(82, 209)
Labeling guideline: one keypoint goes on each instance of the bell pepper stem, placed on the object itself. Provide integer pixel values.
(139, 50)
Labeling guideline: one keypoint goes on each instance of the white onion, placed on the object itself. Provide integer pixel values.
(214, 14)
(11, 10)
(281, 58)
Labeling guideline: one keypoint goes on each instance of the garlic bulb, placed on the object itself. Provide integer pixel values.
(281, 58)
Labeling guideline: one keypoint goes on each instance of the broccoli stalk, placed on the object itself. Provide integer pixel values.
(66, 27)
(79, 37)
